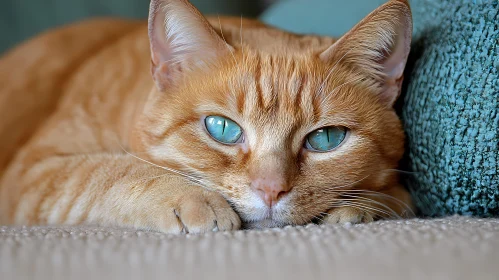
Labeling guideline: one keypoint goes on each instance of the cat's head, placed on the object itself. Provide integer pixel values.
(279, 131)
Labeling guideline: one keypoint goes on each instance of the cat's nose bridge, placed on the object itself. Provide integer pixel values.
(270, 164)
(271, 176)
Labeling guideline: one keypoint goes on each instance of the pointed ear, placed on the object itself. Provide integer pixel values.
(378, 48)
(181, 39)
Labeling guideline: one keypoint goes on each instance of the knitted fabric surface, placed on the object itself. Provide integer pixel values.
(458, 248)
(450, 109)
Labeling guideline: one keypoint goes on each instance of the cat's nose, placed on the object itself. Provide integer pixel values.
(270, 190)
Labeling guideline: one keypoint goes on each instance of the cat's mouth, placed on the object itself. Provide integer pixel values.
(268, 220)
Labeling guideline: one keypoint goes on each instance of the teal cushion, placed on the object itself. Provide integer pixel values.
(451, 102)
(451, 107)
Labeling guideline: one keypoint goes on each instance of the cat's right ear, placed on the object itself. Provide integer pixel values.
(181, 39)
(378, 48)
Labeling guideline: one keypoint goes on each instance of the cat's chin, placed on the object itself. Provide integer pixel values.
(265, 223)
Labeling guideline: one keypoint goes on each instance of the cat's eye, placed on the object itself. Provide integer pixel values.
(326, 138)
(223, 129)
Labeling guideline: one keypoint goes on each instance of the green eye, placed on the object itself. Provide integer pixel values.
(325, 139)
(222, 129)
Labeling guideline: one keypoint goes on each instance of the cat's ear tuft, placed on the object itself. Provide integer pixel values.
(378, 48)
(181, 39)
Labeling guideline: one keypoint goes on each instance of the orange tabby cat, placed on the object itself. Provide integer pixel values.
(240, 122)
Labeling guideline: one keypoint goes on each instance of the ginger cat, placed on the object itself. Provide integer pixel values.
(241, 124)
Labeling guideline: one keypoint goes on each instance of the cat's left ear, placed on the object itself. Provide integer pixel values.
(378, 48)
(181, 39)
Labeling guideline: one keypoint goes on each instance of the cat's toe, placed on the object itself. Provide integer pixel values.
(207, 212)
(346, 214)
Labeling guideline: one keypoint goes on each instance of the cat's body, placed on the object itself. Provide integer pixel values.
(74, 100)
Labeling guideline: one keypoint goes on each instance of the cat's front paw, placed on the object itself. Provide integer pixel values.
(347, 214)
(205, 211)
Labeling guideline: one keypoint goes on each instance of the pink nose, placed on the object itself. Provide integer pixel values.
(270, 190)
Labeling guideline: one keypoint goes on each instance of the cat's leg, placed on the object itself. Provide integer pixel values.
(110, 189)
(367, 206)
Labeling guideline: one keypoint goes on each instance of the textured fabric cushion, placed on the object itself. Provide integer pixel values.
(452, 248)
(451, 110)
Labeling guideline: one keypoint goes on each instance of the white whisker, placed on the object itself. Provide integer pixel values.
(228, 46)
(347, 185)
(371, 201)
(191, 178)
(241, 35)
(399, 202)
(147, 178)
(400, 171)
(364, 207)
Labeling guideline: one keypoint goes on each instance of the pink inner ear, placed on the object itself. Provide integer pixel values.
(394, 66)
(378, 46)
(181, 40)
(157, 36)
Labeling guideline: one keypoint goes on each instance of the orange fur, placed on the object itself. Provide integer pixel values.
(75, 98)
